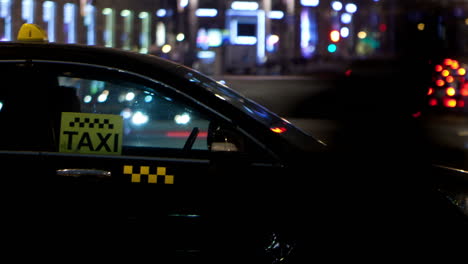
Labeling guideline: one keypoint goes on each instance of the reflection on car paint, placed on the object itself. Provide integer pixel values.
(145, 173)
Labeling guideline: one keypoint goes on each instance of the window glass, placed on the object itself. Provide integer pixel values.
(60, 107)
(151, 117)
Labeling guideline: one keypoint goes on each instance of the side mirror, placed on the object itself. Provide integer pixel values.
(224, 139)
(223, 146)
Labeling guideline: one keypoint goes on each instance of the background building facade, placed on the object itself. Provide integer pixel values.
(218, 37)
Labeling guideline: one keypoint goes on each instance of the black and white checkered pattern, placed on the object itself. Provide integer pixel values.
(94, 123)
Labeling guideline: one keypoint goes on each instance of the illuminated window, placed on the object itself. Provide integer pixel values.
(48, 16)
(27, 11)
(109, 23)
(309, 33)
(5, 19)
(90, 24)
(69, 21)
(127, 16)
(247, 27)
(145, 23)
(310, 2)
(160, 34)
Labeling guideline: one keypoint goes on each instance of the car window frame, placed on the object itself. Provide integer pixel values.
(149, 82)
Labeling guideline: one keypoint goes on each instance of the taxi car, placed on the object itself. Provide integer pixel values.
(138, 152)
(107, 153)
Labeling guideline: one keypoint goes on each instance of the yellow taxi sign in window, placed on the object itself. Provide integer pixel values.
(89, 133)
(32, 33)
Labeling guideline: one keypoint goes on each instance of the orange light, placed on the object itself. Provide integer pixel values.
(432, 102)
(278, 130)
(450, 91)
(455, 65)
(440, 83)
(448, 62)
(438, 68)
(450, 102)
(334, 35)
(430, 91)
(449, 79)
(445, 73)
(461, 71)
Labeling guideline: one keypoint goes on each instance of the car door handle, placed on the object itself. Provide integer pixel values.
(83, 173)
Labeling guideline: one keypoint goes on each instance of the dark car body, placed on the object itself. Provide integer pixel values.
(118, 148)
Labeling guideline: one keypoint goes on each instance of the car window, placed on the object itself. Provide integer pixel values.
(151, 118)
(88, 109)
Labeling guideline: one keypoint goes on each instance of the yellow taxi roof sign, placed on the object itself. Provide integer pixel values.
(32, 33)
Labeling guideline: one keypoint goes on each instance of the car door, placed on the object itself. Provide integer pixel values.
(123, 150)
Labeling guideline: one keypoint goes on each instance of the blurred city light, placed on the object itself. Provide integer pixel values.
(244, 5)
(332, 48)
(310, 2)
(206, 12)
(351, 8)
(334, 35)
(140, 118)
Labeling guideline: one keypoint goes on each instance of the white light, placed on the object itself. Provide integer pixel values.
(130, 96)
(276, 14)
(166, 48)
(143, 15)
(107, 11)
(160, 34)
(220, 97)
(272, 39)
(261, 36)
(346, 18)
(337, 6)
(243, 5)
(184, 3)
(246, 40)
(126, 113)
(1, 106)
(182, 119)
(310, 2)
(215, 37)
(344, 32)
(102, 98)
(125, 13)
(351, 8)
(87, 99)
(206, 12)
(161, 12)
(139, 118)
(180, 37)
